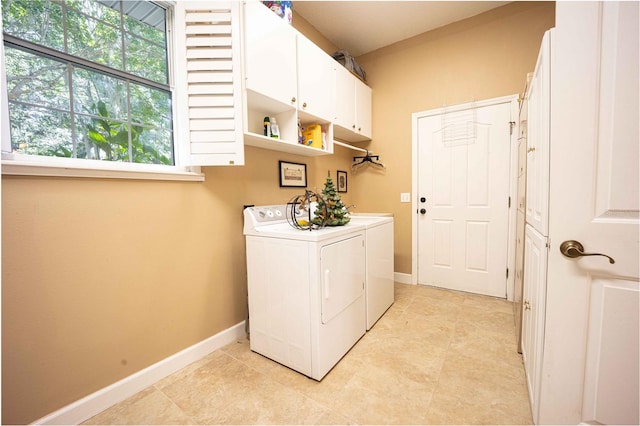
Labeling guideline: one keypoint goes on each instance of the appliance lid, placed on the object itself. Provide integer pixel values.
(286, 231)
(371, 220)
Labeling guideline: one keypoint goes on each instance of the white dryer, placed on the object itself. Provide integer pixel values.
(306, 290)
(379, 280)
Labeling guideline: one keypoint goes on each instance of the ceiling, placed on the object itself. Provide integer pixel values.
(362, 26)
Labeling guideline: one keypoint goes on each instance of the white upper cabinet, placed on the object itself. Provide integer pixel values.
(291, 79)
(353, 107)
(270, 55)
(316, 80)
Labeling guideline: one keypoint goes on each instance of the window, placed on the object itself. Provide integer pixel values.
(89, 79)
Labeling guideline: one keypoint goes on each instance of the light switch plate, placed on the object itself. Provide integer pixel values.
(405, 197)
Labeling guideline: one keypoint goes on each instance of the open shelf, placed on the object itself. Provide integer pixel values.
(261, 141)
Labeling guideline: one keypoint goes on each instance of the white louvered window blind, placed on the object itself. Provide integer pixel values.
(197, 103)
(210, 109)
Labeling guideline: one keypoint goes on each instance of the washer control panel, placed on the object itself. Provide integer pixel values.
(257, 216)
(266, 214)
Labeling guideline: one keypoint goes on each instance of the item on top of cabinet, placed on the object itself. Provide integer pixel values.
(284, 9)
(312, 136)
(350, 63)
(330, 210)
(267, 127)
(275, 129)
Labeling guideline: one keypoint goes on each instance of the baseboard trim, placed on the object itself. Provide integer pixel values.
(87, 407)
(402, 278)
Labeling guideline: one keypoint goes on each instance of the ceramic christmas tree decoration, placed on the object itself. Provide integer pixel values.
(330, 209)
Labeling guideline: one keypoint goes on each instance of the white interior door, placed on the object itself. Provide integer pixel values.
(463, 192)
(590, 371)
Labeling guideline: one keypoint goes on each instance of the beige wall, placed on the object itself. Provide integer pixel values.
(101, 278)
(483, 57)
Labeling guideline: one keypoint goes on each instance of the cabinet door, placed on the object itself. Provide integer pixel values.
(270, 58)
(519, 278)
(535, 281)
(539, 99)
(316, 80)
(363, 109)
(522, 176)
(345, 99)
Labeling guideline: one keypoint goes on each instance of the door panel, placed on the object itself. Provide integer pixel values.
(535, 279)
(611, 390)
(592, 303)
(463, 173)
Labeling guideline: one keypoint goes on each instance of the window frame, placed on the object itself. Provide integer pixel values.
(37, 165)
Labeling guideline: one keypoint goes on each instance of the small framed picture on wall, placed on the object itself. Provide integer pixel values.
(342, 181)
(293, 174)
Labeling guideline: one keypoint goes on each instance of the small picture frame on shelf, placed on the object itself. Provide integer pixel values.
(341, 180)
(293, 174)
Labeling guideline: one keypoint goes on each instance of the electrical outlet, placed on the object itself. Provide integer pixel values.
(405, 197)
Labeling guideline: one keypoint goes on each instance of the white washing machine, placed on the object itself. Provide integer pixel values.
(379, 280)
(306, 290)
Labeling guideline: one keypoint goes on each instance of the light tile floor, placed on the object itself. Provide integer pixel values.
(435, 357)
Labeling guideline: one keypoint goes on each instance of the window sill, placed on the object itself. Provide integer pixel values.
(21, 165)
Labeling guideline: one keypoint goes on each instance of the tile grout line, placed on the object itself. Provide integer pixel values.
(285, 386)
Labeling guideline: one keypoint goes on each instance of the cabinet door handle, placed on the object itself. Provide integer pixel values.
(304, 105)
(293, 100)
(573, 249)
(532, 149)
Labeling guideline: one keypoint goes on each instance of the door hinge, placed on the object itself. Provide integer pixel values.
(509, 202)
(512, 124)
(507, 273)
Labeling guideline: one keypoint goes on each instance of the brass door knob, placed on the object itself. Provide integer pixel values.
(573, 249)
